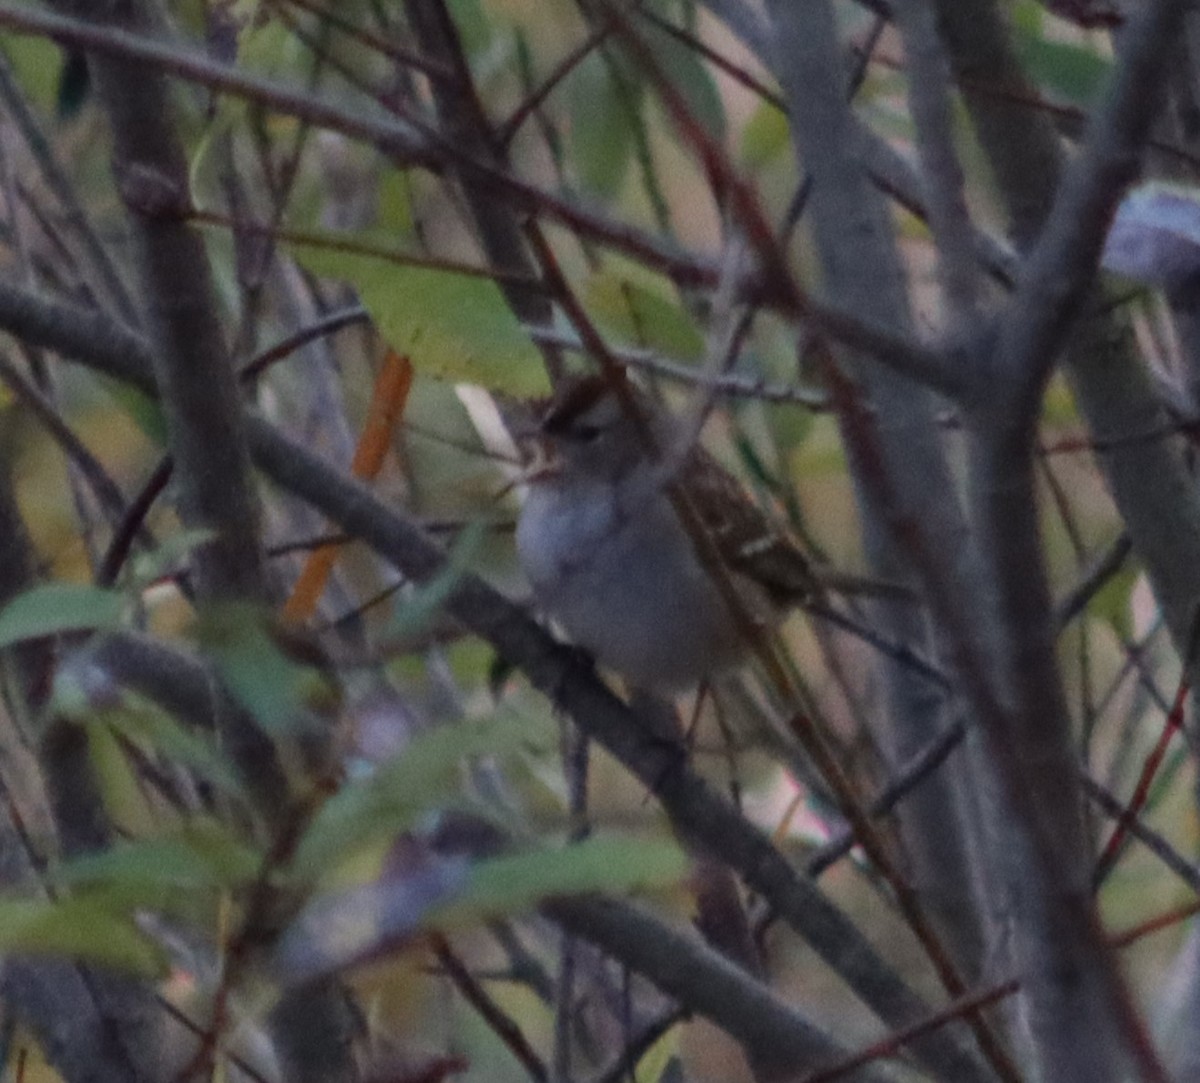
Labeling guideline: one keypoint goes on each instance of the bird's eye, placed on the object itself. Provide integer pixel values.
(585, 434)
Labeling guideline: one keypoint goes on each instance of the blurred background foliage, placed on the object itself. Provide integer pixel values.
(301, 223)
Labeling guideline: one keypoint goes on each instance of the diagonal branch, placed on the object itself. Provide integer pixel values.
(705, 820)
(428, 148)
(1063, 262)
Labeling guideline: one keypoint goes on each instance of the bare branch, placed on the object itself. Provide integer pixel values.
(1061, 266)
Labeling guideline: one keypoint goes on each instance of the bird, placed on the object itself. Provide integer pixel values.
(646, 551)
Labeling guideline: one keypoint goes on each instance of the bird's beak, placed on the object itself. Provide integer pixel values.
(544, 462)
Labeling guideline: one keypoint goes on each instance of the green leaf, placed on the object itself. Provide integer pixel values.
(167, 556)
(1072, 72)
(145, 723)
(604, 100)
(765, 137)
(120, 789)
(418, 609)
(394, 204)
(452, 326)
(472, 23)
(229, 116)
(144, 411)
(37, 65)
(642, 317)
(420, 777)
(1027, 16)
(1111, 603)
(59, 607)
(611, 864)
(1058, 404)
(270, 684)
(653, 1064)
(202, 855)
(79, 928)
(267, 46)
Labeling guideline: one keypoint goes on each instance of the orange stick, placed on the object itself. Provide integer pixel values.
(388, 399)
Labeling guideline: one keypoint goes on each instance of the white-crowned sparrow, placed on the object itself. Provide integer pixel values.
(619, 534)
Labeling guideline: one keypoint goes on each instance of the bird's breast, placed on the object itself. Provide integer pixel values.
(624, 582)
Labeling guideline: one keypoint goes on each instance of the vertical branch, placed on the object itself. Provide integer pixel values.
(1072, 990)
(200, 396)
(852, 229)
(192, 366)
(1045, 869)
(464, 122)
(946, 207)
(1149, 479)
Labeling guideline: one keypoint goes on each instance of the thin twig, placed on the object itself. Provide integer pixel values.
(1131, 822)
(498, 1020)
